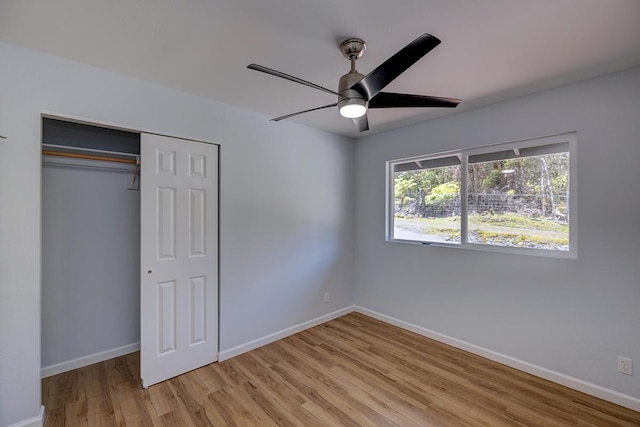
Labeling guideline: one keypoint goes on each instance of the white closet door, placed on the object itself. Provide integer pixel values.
(179, 257)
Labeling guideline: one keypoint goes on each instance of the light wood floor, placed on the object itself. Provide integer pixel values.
(353, 371)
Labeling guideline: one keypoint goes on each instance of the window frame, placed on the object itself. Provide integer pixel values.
(463, 155)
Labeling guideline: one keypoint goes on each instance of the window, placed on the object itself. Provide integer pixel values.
(515, 197)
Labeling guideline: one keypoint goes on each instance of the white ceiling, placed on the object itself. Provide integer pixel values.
(491, 49)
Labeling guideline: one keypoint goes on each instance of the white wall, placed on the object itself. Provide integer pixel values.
(90, 260)
(570, 316)
(286, 209)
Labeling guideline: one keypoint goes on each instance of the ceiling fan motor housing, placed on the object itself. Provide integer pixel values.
(348, 95)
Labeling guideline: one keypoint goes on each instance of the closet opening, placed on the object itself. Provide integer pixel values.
(90, 306)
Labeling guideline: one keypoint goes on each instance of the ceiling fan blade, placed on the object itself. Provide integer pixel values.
(362, 123)
(288, 77)
(376, 80)
(277, 119)
(401, 100)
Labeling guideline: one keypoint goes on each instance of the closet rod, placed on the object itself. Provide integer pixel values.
(88, 150)
(87, 156)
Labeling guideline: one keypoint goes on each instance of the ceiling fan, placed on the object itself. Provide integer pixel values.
(357, 92)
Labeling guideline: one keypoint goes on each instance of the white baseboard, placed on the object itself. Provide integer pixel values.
(36, 421)
(556, 377)
(80, 362)
(251, 345)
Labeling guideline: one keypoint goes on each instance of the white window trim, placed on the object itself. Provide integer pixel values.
(570, 138)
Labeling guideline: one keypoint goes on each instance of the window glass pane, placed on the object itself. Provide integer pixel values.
(519, 202)
(427, 201)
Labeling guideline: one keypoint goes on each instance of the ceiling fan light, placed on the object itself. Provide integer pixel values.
(353, 108)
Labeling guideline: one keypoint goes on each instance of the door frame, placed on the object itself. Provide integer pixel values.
(98, 357)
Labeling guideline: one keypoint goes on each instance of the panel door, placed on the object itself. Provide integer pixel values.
(179, 257)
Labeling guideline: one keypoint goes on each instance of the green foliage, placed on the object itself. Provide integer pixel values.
(506, 238)
(415, 190)
(403, 187)
(443, 193)
(447, 233)
(519, 221)
(442, 200)
(559, 183)
(492, 179)
(535, 186)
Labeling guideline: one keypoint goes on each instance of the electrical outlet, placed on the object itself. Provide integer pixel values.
(625, 365)
(327, 297)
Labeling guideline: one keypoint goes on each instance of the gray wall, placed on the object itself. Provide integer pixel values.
(90, 260)
(286, 206)
(570, 316)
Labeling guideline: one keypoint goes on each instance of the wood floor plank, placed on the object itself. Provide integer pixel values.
(351, 371)
(130, 403)
(211, 378)
(162, 399)
(381, 391)
(192, 398)
(339, 414)
(360, 364)
(274, 389)
(377, 403)
(338, 394)
(236, 410)
(305, 418)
